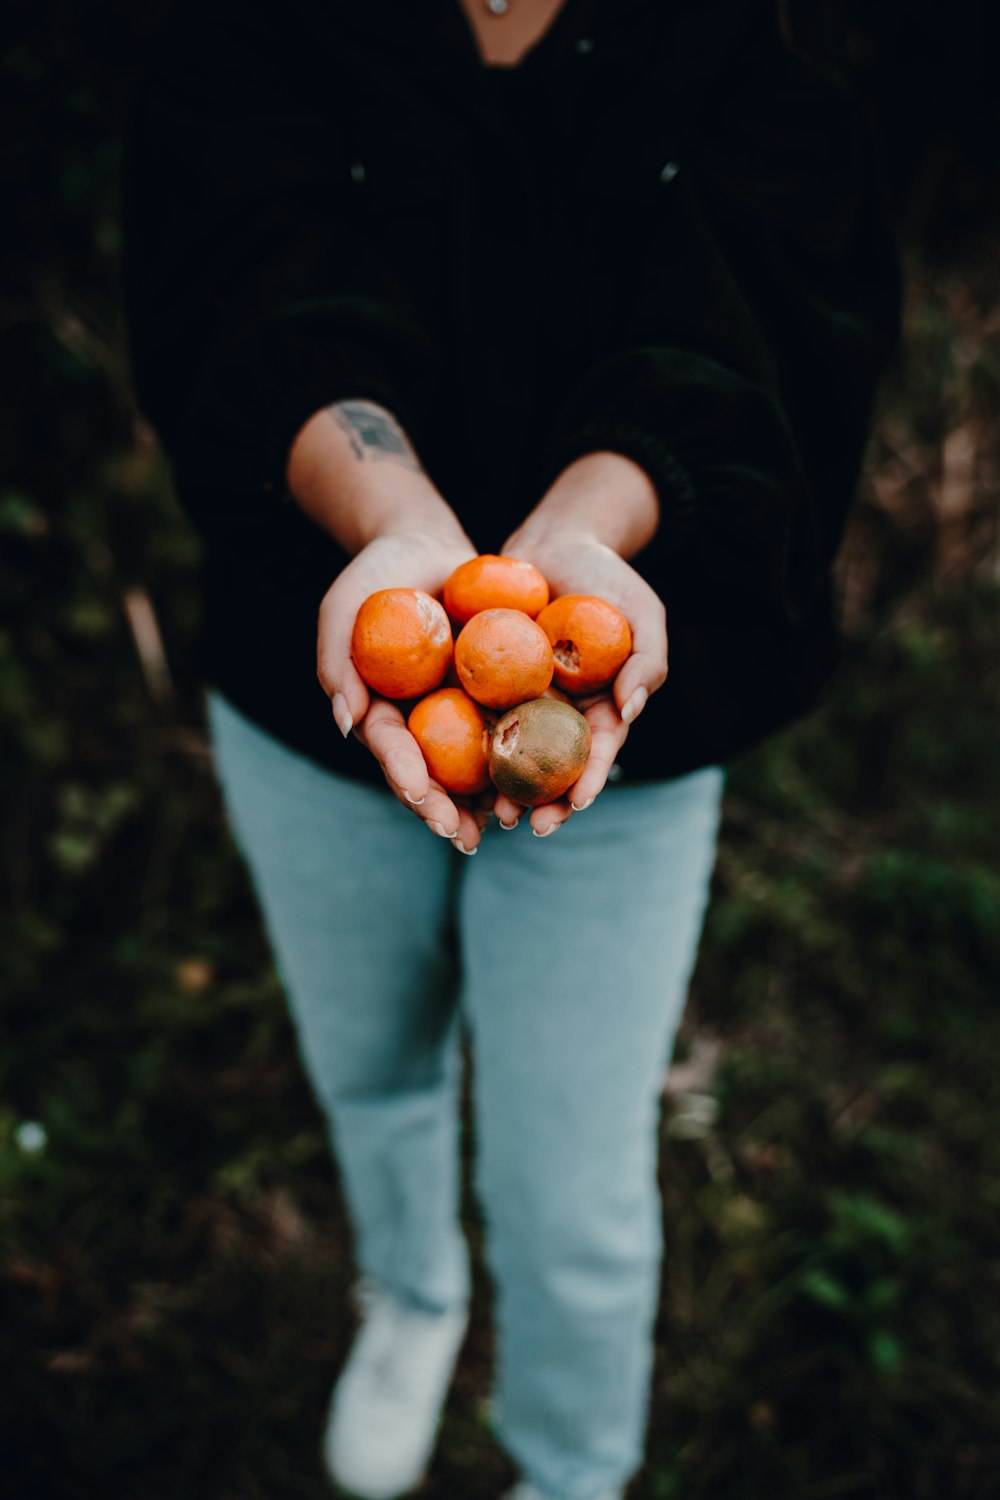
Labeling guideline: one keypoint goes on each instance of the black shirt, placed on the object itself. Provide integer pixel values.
(661, 234)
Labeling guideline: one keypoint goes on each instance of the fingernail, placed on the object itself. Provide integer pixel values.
(635, 705)
(415, 801)
(441, 831)
(583, 805)
(462, 849)
(508, 826)
(342, 714)
(546, 833)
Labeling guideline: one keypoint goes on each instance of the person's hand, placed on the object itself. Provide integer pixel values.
(398, 558)
(577, 563)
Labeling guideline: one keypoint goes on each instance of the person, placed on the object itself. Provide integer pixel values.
(604, 287)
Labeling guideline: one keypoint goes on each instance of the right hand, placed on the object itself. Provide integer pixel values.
(395, 559)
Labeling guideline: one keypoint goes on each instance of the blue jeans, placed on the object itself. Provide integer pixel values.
(568, 960)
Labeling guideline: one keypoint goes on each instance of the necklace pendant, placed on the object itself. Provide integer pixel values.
(498, 7)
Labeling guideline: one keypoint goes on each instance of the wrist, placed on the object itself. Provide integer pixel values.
(443, 534)
(411, 510)
(602, 499)
(540, 535)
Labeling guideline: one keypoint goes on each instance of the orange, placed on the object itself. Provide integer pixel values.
(401, 643)
(537, 750)
(502, 657)
(590, 640)
(452, 733)
(491, 582)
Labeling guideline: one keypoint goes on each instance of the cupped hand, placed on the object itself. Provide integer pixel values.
(583, 565)
(397, 559)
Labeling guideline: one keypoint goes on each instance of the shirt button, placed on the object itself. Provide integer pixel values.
(358, 171)
(585, 44)
(669, 172)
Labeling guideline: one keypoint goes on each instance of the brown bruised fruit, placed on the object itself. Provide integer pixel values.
(537, 750)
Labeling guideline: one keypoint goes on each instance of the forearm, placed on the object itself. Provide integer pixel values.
(603, 496)
(353, 470)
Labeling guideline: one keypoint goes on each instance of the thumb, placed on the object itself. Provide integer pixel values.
(341, 681)
(646, 668)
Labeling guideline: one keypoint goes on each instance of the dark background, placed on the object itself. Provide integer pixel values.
(173, 1249)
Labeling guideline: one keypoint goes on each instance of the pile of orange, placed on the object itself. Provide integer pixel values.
(512, 646)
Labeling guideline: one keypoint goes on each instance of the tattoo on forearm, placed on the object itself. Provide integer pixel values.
(373, 434)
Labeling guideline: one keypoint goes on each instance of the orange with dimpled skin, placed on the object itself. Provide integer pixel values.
(454, 739)
(502, 657)
(401, 643)
(590, 639)
(492, 582)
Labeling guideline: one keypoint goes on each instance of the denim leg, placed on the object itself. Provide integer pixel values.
(356, 897)
(577, 952)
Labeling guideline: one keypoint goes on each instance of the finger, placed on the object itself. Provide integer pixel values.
(447, 817)
(469, 831)
(544, 819)
(646, 668)
(440, 813)
(480, 816)
(343, 684)
(479, 813)
(507, 811)
(443, 816)
(550, 817)
(608, 733)
(485, 800)
(383, 731)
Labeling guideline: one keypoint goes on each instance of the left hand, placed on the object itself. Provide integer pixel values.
(578, 563)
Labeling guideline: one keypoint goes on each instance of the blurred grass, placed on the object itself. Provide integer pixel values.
(173, 1247)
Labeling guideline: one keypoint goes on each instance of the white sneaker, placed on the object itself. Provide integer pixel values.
(527, 1491)
(389, 1398)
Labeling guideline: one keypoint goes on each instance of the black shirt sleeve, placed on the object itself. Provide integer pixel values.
(252, 299)
(745, 381)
